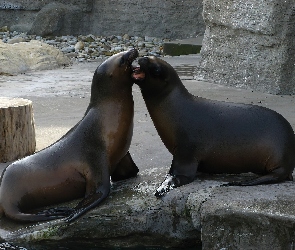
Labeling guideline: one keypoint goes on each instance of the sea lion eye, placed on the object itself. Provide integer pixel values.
(156, 71)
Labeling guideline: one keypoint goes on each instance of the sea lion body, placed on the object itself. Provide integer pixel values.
(80, 164)
(213, 136)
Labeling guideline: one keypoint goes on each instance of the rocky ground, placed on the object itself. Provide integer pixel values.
(91, 47)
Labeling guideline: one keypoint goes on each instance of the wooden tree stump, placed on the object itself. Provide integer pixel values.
(17, 129)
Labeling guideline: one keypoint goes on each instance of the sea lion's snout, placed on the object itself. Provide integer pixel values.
(130, 56)
(138, 72)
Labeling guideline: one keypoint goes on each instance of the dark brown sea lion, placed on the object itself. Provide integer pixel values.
(81, 162)
(212, 136)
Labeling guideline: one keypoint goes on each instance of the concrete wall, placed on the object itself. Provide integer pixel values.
(165, 18)
(250, 44)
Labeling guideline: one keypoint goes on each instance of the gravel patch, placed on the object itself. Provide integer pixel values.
(92, 47)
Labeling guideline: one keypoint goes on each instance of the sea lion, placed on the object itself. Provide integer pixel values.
(213, 136)
(81, 162)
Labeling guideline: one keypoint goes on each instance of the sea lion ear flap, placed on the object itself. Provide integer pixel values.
(122, 60)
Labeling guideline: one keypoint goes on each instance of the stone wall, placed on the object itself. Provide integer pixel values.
(165, 18)
(250, 44)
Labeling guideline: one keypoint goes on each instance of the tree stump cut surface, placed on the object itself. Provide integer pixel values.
(17, 128)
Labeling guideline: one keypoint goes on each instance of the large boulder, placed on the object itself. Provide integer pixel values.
(249, 44)
(56, 19)
(25, 56)
(259, 217)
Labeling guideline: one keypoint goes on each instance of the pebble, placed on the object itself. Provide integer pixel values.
(68, 49)
(90, 47)
(79, 46)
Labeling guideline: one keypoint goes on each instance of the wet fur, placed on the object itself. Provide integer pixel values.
(213, 136)
(80, 164)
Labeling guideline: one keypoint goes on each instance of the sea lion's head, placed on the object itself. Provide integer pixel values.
(114, 74)
(154, 75)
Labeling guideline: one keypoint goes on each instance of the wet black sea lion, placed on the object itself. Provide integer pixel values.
(212, 136)
(81, 162)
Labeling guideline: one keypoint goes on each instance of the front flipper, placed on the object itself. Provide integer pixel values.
(183, 171)
(125, 169)
(170, 183)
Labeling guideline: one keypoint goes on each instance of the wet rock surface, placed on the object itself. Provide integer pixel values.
(131, 211)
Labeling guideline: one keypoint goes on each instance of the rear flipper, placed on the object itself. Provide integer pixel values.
(60, 211)
(172, 182)
(276, 176)
(88, 203)
(34, 217)
(125, 169)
